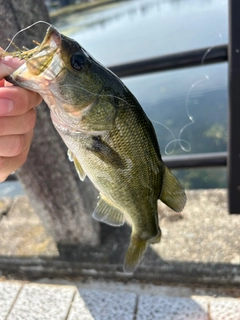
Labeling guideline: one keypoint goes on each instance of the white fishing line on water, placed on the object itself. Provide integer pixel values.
(24, 29)
(190, 116)
(174, 141)
(184, 144)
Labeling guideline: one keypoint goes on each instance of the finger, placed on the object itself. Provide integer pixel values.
(8, 65)
(10, 164)
(22, 99)
(18, 124)
(5, 70)
(11, 146)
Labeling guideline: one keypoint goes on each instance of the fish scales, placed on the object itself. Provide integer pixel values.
(125, 187)
(110, 138)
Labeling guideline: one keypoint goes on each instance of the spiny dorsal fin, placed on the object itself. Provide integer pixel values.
(107, 213)
(172, 193)
(77, 165)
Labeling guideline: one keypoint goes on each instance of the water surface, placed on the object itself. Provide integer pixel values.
(138, 29)
(188, 104)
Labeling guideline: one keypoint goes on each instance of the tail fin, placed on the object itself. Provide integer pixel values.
(135, 253)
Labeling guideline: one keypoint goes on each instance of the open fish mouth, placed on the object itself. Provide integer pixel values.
(43, 59)
(50, 43)
(44, 72)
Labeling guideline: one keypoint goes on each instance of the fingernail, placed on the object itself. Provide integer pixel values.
(12, 62)
(6, 106)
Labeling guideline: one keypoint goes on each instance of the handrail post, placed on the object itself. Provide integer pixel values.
(234, 107)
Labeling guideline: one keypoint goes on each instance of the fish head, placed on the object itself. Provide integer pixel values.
(63, 73)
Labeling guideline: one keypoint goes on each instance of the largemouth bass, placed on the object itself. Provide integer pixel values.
(110, 138)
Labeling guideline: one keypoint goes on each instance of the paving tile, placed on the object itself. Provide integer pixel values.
(8, 294)
(106, 305)
(171, 308)
(224, 309)
(42, 302)
(79, 309)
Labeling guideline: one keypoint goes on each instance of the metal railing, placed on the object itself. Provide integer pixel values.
(203, 56)
(234, 107)
(191, 58)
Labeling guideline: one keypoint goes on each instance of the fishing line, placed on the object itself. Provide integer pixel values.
(191, 118)
(205, 54)
(24, 29)
(113, 96)
(184, 144)
(174, 140)
(92, 93)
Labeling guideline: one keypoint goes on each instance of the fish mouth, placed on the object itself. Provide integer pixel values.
(51, 42)
(42, 57)
(44, 72)
(42, 60)
(39, 59)
(52, 37)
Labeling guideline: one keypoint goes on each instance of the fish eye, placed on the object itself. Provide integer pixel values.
(78, 61)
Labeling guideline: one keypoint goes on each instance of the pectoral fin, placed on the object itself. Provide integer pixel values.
(172, 193)
(77, 165)
(106, 212)
(104, 152)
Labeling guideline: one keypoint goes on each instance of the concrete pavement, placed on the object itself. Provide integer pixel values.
(35, 301)
(200, 247)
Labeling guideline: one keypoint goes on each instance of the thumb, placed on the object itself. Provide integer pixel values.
(8, 65)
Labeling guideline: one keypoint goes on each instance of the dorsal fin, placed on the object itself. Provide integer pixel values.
(172, 193)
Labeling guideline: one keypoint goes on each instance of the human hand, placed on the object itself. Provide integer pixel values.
(17, 120)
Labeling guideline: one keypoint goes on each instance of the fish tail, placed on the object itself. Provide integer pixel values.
(135, 253)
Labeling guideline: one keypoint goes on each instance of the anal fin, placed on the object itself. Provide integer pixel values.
(172, 193)
(78, 167)
(106, 212)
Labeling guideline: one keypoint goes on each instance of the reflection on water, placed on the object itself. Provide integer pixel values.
(133, 30)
